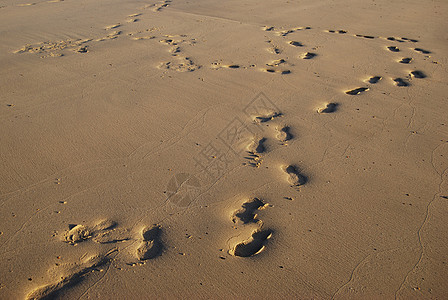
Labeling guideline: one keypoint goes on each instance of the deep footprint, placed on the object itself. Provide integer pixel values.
(393, 49)
(356, 91)
(418, 74)
(308, 55)
(400, 82)
(284, 134)
(254, 245)
(374, 79)
(248, 212)
(422, 50)
(405, 60)
(151, 246)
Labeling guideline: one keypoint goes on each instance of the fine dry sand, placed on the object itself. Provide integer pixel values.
(224, 149)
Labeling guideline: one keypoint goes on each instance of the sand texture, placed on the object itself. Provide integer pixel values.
(223, 149)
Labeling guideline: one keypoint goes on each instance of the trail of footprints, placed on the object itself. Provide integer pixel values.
(253, 235)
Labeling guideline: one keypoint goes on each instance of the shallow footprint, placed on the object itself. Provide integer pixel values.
(267, 117)
(294, 177)
(329, 108)
(51, 291)
(356, 91)
(151, 246)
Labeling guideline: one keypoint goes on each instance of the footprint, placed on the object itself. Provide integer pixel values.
(393, 49)
(356, 91)
(409, 40)
(329, 108)
(267, 117)
(405, 60)
(374, 79)
(88, 266)
(284, 134)
(151, 246)
(422, 50)
(365, 36)
(112, 26)
(254, 245)
(294, 177)
(338, 31)
(255, 149)
(418, 74)
(296, 44)
(308, 55)
(268, 28)
(400, 82)
(248, 212)
(276, 63)
(103, 232)
(257, 146)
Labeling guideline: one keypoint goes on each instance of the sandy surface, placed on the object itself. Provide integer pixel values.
(216, 149)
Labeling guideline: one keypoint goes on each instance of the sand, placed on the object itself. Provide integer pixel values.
(223, 149)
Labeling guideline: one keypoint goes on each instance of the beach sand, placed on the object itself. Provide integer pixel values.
(224, 149)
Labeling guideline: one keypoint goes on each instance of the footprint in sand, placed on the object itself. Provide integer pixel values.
(75, 275)
(248, 212)
(308, 55)
(393, 49)
(255, 149)
(374, 79)
(405, 60)
(104, 232)
(422, 50)
(401, 82)
(295, 179)
(418, 74)
(252, 246)
(284, 134)
(357, 91)
(328, 108)
(296, 44)
(267, 117)
(151, 245)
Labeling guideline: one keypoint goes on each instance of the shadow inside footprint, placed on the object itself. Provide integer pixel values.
(309, 55)
(418, 74)
(405, 60)
(356, 91)
(247, 214)
(267, 118)
(151, 245)
(422, 50)
(297, 44)
(295, 178)
(331, 107)
(393, 49)
(254, 245)
(400, 82)
(374, 79)
(284, 134)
